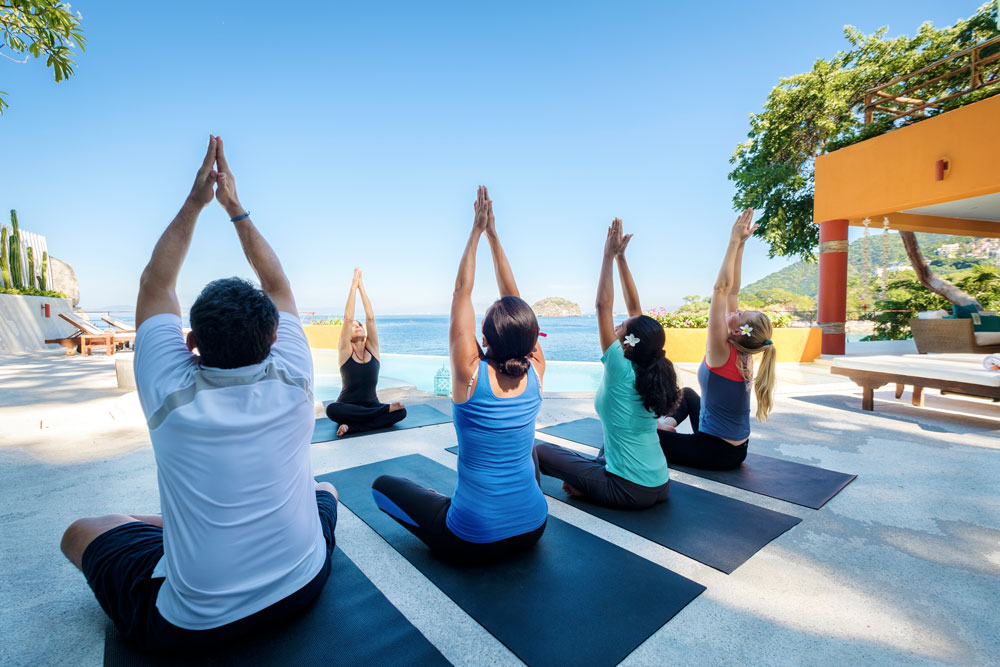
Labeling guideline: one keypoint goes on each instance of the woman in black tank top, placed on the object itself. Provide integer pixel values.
(357, 408)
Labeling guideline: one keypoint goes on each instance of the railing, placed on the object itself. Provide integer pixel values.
(979, 72)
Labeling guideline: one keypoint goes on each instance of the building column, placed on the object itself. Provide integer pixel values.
(833, 284)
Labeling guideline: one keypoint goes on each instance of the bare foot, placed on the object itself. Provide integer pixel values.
(396, 406)
(665, 427)
(341, 430)
(572, 490)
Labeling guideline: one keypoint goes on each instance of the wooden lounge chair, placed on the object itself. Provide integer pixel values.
(958, 377)
(88, 337)
(118, 325)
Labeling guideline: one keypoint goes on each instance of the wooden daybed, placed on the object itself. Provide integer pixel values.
(959, 377)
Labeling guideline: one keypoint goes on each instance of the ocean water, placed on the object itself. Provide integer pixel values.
(566, 339)
(415, 350)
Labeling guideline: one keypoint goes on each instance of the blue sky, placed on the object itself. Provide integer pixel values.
(359, 131)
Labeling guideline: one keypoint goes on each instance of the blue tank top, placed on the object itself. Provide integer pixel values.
(725, 401)
(497, 495)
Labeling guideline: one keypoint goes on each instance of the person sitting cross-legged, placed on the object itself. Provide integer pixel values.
(498, 509)
(358, 409)
(246, 534)
(720, 416)
(639, 384)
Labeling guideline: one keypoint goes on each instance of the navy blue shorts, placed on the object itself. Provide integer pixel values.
(119, 565)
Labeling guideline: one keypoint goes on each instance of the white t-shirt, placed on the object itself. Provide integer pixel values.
(240, 525)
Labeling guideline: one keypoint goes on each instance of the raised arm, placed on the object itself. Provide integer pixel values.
(733, 302)
(501, 267)
(717, 348)
(344, 344)
(505, 276)
(258, 251)
(462, 344)
(158, 284)
(606, 287)
(625, 275)
(369, 318)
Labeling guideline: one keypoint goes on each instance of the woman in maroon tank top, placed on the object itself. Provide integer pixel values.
(720, 417)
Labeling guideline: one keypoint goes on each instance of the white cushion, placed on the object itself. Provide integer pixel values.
(960, 357)
(932, 369)
(987, 337)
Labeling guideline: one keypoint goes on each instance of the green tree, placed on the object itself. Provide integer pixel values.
(906, 298)
(818, 111)
(41, 28)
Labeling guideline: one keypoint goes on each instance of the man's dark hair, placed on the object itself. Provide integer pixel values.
(233, 323)
(511, 331)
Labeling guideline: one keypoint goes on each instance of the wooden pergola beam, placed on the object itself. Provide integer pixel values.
(933, 224)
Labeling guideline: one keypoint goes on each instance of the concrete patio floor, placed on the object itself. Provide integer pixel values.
(902, 567)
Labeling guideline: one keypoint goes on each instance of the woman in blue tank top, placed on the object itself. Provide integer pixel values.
(720, 417)
(498, 508)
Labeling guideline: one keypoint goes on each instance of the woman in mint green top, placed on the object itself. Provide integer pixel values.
(639, 385)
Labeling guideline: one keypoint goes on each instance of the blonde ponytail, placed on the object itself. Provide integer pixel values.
(759, 342)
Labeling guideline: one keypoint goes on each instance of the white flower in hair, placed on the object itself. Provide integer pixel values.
(631, 340)
(746, 329)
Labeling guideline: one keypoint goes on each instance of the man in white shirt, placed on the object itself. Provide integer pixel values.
(246, 534)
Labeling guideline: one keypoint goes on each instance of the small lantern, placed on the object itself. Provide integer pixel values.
(442, 382)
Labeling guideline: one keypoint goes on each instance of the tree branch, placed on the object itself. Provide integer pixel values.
(928, 278)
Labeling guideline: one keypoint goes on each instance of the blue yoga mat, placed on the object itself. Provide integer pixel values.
(793, 482)
(416, 416)
(542, 604)
(350, 623)
(713, 529)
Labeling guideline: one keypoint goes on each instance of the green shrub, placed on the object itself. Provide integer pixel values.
(33, 291)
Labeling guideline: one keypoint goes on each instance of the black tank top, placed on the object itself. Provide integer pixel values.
(358, 382)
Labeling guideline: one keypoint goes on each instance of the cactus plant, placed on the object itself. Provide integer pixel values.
(4, 265)
(15, 253)
(31, 267)
(43, 276)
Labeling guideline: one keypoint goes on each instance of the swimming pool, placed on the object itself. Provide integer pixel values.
(419, 370)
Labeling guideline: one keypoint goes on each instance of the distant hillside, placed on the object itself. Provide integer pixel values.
(555, 306)
(803, 277)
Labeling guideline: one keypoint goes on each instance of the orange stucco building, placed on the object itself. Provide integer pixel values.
(940, 175)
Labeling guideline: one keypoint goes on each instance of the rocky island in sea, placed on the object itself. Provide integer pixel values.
(555, 306)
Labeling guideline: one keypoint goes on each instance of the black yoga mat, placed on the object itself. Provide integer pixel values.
(351, 623)
(793, 482)
(542, 604)
(416, 416)
(718, 531)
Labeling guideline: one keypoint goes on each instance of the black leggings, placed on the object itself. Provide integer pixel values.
(698, 450)
(591, 477)
(429, 510)
(361, 418)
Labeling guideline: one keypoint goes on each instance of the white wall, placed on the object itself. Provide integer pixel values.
(24, 327)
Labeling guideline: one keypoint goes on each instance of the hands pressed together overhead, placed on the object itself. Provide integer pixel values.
(615, 244)
(484, 220)
(744, 226)
(215, 178)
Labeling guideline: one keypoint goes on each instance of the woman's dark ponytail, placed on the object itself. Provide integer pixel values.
(515, 367)
(511, 331)
(655, 377)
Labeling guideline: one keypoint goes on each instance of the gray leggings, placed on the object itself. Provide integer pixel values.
(591, 477)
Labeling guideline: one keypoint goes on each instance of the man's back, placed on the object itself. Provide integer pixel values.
(241, 530)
